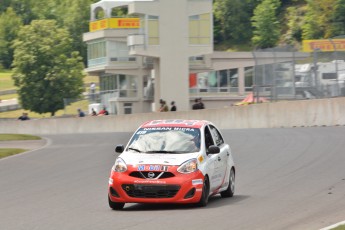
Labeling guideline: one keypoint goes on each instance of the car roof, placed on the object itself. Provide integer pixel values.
(175, 123)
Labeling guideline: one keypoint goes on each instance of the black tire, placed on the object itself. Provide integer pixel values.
(205, 192)
(229, 192)
(115, 205)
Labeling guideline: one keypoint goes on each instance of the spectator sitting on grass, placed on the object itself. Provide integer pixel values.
(93, 112)
(24, 117)
(103, 112)
(81, 113)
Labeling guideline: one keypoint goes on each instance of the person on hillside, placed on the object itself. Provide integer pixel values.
(93, 112)
(92, 90)
(164, 107)
(81, 113)
(196, 104)
(173, 106)
(201, 104)
(24, 117)
(103, 112)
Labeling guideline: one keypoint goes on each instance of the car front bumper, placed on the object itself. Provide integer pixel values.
(177, 188)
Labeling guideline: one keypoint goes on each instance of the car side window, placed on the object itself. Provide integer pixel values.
(216, 135)
(208, 138)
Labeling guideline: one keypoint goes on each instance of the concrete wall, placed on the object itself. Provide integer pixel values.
(320, 112)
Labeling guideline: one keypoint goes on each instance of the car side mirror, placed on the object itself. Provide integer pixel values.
(119, 148)
(213, 149)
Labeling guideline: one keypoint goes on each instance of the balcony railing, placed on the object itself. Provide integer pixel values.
(97, 62)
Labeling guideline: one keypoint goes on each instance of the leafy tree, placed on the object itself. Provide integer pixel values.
(47, 9)
(294, 17)
(4, 4)
(338, 18)
(24, 9)
(232, 20)
(46, 68)
(266, 24)
(9, 25)
(318, 19)
(75, 17)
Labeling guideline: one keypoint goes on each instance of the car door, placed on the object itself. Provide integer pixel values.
(215, 165)
(222, 156)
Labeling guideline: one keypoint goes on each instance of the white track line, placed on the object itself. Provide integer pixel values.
(333, 226)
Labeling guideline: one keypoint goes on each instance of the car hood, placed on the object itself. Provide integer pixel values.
(159, 159)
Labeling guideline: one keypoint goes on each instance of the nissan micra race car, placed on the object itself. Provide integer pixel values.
(172, 161)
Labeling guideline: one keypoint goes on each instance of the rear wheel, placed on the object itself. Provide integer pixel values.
(115, 205)
(205, 192)
(229, 192)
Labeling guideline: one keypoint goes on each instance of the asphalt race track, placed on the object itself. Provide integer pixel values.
(286, 179)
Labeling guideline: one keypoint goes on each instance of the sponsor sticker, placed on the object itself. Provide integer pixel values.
(110, 181)
(153, 168)
(173, 122)
(197, 181)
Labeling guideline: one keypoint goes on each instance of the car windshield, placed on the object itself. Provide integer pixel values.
(165, 140)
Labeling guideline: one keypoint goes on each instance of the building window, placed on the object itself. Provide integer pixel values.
(96, 53)
(119, 52)
(225, 81)
(153, 30)
(200, 29)
(118, 85)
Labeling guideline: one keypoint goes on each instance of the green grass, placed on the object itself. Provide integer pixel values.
(70, 111)
(89, 79)
(5, 152)
(8, 96)
(6, 81)
(10, 152)
(18, 137)
(341, 227)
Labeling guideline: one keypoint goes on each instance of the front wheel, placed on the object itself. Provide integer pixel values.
(229, 192)
(205, 192)
(115, 205)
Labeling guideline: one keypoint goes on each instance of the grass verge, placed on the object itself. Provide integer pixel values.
(18, 137)
(10, 152)
(6, 81)
(5, 152)
(70, 110)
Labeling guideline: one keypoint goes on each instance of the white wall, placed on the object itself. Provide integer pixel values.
(320, 112)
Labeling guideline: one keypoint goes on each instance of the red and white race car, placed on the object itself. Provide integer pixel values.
(172, 161)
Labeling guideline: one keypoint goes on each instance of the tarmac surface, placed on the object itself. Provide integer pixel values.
(289, 178)
(25, 144)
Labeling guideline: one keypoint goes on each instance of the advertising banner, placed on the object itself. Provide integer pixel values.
(324, 45)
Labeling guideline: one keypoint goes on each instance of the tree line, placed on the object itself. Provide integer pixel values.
(268, 23)
(42, 40)
(253, 23)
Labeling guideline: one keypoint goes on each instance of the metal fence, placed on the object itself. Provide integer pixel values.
(319, 75)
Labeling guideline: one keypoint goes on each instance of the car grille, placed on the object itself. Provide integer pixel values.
(150, 191)
(145, 175)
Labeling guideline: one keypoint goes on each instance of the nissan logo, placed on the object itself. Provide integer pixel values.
(151, 174)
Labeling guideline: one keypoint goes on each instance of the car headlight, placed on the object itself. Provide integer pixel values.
(119, 166)
(188, 166)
